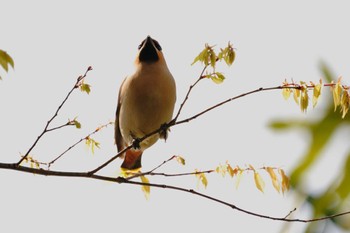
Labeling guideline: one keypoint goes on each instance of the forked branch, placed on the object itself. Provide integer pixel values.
(46, 129)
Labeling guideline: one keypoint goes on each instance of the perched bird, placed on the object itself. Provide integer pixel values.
(146, 101)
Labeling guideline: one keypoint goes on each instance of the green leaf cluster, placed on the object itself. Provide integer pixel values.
(217, 77)
(336, 196)
(92, 144)
(74, 122)
(340, 93)
(280, 181)
(228, 54)
(209, 58)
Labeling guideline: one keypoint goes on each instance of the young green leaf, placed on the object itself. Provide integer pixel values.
(296, 95)
(286, 93)
(180, 160)
(217, 77)
(221, 54)
(5, 60)
(91, 143)
(316, 93)
(230, 58)
(259, 182)
(336, 91)
(239, 177)
(345, 103)
(76, 123)
(205, 56)
(232, 171)
(145, 188)
(274, 178)
(212, 57)
(304, 100)
(201, 178)
(221, 169)
(201, 56)
(84, 87)
(228, 54)
(284, 181)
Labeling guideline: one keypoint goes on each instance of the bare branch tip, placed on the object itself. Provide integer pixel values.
(290, 212)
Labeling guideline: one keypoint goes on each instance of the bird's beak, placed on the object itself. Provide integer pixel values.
(148, 43)
(149, 50)
(148, 39)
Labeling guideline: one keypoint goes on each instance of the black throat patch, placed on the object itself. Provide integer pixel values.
(148, 52)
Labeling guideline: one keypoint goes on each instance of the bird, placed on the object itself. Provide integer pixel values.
(146, 102)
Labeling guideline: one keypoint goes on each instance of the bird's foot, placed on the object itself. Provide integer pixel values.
(164, 129)
(136, 143)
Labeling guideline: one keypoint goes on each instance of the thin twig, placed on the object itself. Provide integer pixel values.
(311, 86)
(134, 175)
(121, 180)
(152, 173)
(290, 212)
(227, 101)
(180, 174)
(76, 143)
(110, 160)
(76, 85)
(188, 94)
(163, 163)
(59, 127)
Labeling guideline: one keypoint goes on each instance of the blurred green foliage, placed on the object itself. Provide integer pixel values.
(336, 197)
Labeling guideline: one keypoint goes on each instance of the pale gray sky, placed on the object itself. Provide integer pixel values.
(54, 42)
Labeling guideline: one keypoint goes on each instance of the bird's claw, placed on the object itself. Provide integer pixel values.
(164, 128)
(136, 143)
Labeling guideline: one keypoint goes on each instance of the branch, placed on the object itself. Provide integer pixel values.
(58, 127)
(171, 123)
(188, 94)
(179, 174)
(174, 122)
(227, 101)
(164, 162)
(76, 85)
(134, 175)
(110, 160)
(76, 143)
(121, 180)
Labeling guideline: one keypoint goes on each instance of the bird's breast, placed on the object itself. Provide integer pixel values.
(147, 104)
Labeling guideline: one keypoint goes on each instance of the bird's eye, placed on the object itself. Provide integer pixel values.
(157, 45)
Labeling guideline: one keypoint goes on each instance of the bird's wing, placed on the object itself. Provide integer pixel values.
(132, 158)
(117, 134)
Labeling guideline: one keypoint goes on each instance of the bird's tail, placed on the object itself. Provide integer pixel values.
(132, 159)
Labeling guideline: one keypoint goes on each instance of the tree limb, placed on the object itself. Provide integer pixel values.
(121, 180)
